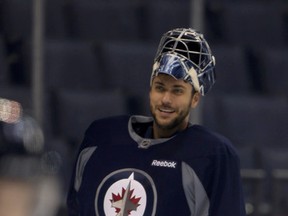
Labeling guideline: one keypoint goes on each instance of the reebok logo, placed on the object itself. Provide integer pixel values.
(164, 163)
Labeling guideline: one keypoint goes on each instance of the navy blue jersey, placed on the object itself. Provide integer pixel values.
(120, 170)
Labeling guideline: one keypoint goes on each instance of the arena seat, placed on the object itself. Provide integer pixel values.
(76, 109)
(232, 68)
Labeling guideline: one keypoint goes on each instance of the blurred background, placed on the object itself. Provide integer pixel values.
(64, 63)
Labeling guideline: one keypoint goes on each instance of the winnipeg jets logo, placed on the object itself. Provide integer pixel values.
(126, 192)
(126, 202)
(126, 197)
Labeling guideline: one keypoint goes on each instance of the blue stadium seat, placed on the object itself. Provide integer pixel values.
(18, 19)
(71, 64)
(253, 23)
(76, 109)
(274, 66)
(232, 68)
(98, 21)
(165, 15)
(128, 67)
(248, 120)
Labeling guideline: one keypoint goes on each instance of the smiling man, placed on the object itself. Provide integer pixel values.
(161, 165)
(170, 103)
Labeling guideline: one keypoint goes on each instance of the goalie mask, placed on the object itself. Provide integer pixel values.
(185, 54)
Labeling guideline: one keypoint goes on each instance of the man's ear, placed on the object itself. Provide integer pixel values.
(195, 99)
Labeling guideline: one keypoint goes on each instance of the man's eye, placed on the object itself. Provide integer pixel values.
(159, 88)
(178, 91)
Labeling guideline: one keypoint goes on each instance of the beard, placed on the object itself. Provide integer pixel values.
(173, 123)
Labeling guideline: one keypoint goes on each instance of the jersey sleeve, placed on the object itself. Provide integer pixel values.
(98, 131)
(87, 147)
(220, 175)
(226, 195)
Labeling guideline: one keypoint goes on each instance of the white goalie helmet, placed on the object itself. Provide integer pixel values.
(184, 54)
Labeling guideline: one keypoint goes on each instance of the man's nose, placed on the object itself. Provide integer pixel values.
(166, 99)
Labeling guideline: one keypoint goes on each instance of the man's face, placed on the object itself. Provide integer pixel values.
(170, 103)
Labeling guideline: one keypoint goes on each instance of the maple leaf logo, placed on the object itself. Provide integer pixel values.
(125, 202)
